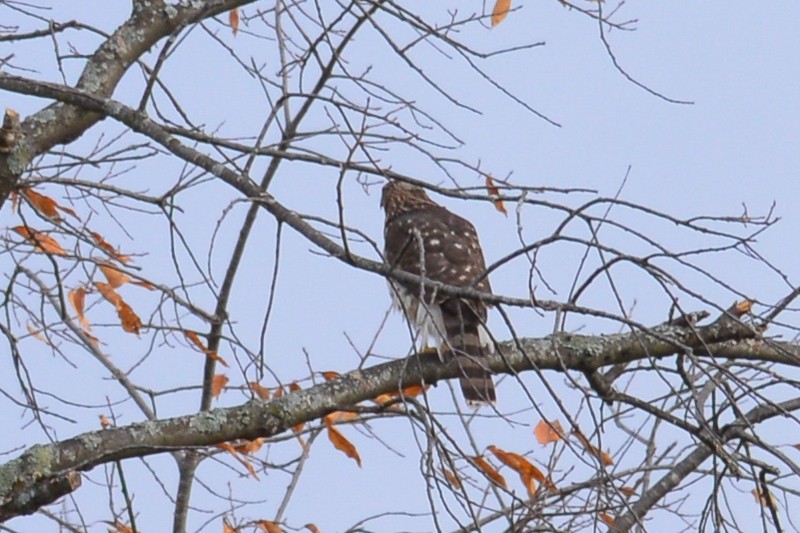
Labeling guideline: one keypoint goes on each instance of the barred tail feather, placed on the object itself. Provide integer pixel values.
(476, 379)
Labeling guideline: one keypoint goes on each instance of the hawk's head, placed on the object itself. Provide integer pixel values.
(399, 197)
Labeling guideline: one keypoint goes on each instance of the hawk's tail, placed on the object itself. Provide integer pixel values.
(476, 379)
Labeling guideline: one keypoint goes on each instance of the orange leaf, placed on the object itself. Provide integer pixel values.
(46, 205)
(227, 528)
(77, 298)
(489, 470)
(493, 191)
(278, 393)
(541, 478)
(115, 277)
(341, 443)
(607, 519)
(412, 391)
(233, 451)
(131, 322)
(104, 422)
(269, 527)
(217, 384)
(101, 242)
(383, 399)
(37, 333)
(526, 470)
(250, 446)
(261, 391)
(119, 527)
(329, 375)
(129, 319)
(408, 392)
(194, 338)
(340, 416)
(547, 432)
(40, 241)
(604, 457)
(233, 20)
(108, 293)
(312, 528)
(627, 491)
(500, 11)
(452, 478)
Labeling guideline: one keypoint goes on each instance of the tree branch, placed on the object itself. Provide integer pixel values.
(259, 418)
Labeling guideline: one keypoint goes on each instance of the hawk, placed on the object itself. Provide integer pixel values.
(423, 238)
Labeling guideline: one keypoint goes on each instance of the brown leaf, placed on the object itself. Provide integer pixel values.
(329, 375)
(104, 422)
(607, 519)
(194, 338)
(541, 478)
(77, 298)
(108, 293)
(408, 392)
(604, 457)
(128, 318)
(217, 384)
(250, 446)
(101, 242)
(452, 478)
(260, 391)
(500, 11)
(119, 527)
(490, 471)
(116, 278)
(233, 20)
(493, 191)
(37, 333)
(527, 471)
(227, 528)
(383, 399)
(341, 443)
(340, 416)
(312, 528)
(269, 527)
(547, 432)
(43, 243)
(627, 491)
(131, 322)
(46, 205)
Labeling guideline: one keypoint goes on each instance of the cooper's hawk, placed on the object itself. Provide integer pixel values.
(423, 238)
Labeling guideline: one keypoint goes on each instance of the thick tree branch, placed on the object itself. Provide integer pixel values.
(61, 123)
(258, 418)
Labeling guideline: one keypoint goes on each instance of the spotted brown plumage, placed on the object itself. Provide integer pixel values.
(423, 238)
